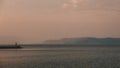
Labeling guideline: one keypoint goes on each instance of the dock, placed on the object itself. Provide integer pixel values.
(10, 47)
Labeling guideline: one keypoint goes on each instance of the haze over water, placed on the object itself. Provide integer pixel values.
(34, 21)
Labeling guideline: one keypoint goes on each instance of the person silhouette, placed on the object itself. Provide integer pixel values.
(16, 44)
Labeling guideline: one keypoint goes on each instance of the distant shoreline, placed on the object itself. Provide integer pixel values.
(57, 45)
(71, 45)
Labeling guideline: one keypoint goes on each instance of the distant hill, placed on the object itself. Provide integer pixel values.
(89, 40)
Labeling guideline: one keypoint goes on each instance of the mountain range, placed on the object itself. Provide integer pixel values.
(88, 40)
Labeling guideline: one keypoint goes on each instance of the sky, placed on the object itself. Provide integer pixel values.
(34, 21)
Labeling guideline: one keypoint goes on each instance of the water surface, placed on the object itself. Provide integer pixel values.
(60, 57)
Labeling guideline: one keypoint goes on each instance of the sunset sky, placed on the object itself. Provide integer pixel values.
(33, 21)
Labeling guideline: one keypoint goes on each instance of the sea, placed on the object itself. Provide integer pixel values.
(37, 56)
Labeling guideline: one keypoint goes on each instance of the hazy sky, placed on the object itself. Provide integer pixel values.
(33, 21)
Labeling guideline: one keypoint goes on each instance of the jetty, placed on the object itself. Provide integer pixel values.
(16, 46)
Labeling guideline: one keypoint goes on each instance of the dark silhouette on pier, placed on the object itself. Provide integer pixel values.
(16, 46)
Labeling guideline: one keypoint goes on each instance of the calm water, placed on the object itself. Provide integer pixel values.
(61, 57)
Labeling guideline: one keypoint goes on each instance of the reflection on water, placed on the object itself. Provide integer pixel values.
(60, 57)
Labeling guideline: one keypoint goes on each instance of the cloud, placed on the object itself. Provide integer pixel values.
(75, 3)
(92, 4)
(71, 4)
(65, 5)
